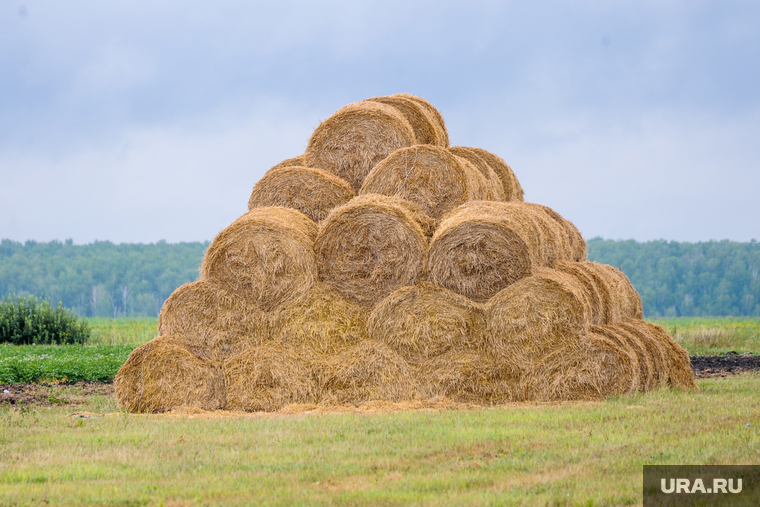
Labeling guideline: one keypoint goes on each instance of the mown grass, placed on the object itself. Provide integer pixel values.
(573, 454)
(707, 336)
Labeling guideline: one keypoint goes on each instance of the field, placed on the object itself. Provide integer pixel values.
(705, 336)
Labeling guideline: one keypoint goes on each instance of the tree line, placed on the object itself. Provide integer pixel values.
(102, 279)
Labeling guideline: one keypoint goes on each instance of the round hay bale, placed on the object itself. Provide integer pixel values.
(425, 320)
(267, 377)
(680, 373)
(648, 378)
(624, 298)
(428, 176)
(442, 135)
(354, 139)
(482, 247)
(576, 242)
(266, 257)
(300, 160)
(606, 311)
(365, 372)
(313, 192)
(322, 322)
(535, 316)
(652, 344)
(205, 317)
(590, 284)
(424, 124)
(486, 170)
(512, 189)
(164, 375)
(370, 247)
(590, 369)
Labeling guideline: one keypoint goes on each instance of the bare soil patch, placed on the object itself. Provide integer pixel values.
(724, 365)
(49, 395)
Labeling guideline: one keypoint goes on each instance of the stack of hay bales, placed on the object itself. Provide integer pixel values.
(383, 264)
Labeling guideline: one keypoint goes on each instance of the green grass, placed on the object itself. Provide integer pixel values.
(122, 331)
(573, 454)
(21, 364)
(706, 336)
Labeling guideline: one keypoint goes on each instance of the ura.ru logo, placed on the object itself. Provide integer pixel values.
(698, 486)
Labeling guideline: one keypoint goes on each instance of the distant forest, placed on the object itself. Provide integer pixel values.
(717, 278)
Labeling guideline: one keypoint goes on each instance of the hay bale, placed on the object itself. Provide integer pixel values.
(365, 372)
(576, 242)
(370, 247)
(425, 320)
(322, 322)
(205, 317)
(442, 135)
(535, 316)
(424, 124)
(486, 170)
(512, 189)
(266, 257)
(647, 376)
(680, 373)
(428, 176)
(482, 247)
(300, 160)
(164, 374)
(313, 192)
(654, 347)
(356, 138)
(598, 303)
(590, 369)
(625, 300)
(268, 377)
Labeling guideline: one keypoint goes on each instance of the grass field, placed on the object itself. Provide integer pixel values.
(122, 331)
(706, 336)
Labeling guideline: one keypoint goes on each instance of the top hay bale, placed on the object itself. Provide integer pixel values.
(440, 125)
(426, 126)
(356, 138)
(265, 257)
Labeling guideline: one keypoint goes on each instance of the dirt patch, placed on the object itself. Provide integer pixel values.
(724, 366)
(52, 394)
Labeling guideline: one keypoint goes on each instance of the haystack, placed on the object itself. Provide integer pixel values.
(482, 247)
(652, 344)
(313, 192)
(568, 229)
(512, 189)
(367, 371)
(164, 374)
(648, 378)
(424, 124)
(268, 377)
(300, 160)
(536, 316)
(428, 176)
(425, 320)
(266, 257)
(205, 317)
(592, 368)
(322, 322)
(680, 373)
(370, 247)
(442, 135)
(356, 138)
(486, 170)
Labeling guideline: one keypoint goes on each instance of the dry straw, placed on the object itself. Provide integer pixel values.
(425, 320)
(648, 378)
(356, 138)
(300, 160)
(313, 192)
(423, 122)
(485, 169)
(512, 189)
(268, 377)
(573, 235)
(205, 317)
(164, 374)
(653, 345)
(370, 247)
(428, 176)
(625, 300)
(321, 323)
(442, 135)
(266, 257)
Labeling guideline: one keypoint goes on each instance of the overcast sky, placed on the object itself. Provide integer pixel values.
(139, 121)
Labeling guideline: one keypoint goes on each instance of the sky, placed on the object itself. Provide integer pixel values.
(144, 121)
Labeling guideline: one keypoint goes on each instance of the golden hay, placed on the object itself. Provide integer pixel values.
(590, 284)
(486, 170)
(164, 375)
(428, 176)
(321, 322)
(680, 373)
(424, 124)
(365, 372)
(300, 160)
(653, 345)
(535, 316)
(313, 192)
(647, 376)
(370, 247)
(424, 320)
(268, 377)
(266, 257)
(512, 189)
(354, 139)
(482, 247)
(590, 369)
(442, 135)
(576, 242)
(624, 299)
(205, 317)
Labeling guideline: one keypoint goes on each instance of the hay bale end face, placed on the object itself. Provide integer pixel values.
(266, 257)
(370, 247)
(356, 138)
(164, 375)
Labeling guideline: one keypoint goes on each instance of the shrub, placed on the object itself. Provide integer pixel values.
(27, 321)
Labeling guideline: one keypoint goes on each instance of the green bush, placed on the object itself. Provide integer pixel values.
(28, 321)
